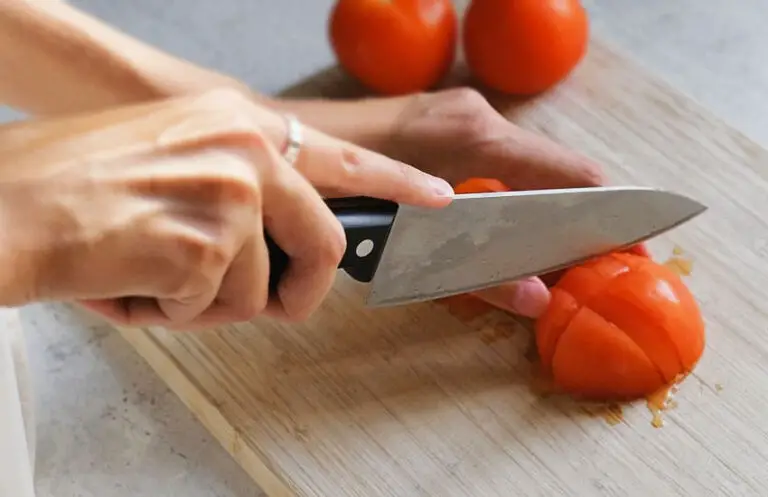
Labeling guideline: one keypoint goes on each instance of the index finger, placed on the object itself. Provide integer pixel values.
(334, 165)
(341, 168)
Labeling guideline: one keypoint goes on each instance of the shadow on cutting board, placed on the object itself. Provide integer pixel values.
(352, 366)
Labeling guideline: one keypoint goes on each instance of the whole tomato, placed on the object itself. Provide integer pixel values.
(396, 46)
(524, 47)
(619, 327)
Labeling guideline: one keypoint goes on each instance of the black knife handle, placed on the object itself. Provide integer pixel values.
(365, 220)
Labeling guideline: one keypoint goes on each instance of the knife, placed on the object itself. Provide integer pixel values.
(411, 254)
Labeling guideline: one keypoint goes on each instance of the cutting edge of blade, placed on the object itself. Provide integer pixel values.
(556, 191)
(373, 303)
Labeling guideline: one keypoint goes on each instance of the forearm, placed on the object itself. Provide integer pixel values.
(56, 60)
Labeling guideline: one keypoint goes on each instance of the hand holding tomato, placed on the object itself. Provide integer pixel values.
(457, 135)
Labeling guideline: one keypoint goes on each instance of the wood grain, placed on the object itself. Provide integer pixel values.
(414, 401)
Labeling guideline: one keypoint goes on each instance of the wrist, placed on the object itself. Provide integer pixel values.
(22, 251)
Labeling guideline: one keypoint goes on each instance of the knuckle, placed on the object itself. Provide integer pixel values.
(334, 165)
(470, 111)
(233, 112)
(247, 309)
(199, 262)
(299, 315)
(409, 175)
(256, 139)
(253, 124)
(178, 282)
(347, 165)
(477, 128)
(300, 308)
(332, 245)
(213, 256)
(238, 189)
(402, 181)
(593, 173)
(234, 181)
(358, 170)
(182, 286)
(468, 98)
(225, 99)
(264, 162)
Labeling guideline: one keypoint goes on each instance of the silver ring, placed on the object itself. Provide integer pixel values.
(294, 141)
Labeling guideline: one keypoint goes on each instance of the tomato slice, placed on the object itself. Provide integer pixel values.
(596, 360)
(625, 305)
(549, 327)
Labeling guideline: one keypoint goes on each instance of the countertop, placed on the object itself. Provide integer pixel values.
(106, 425)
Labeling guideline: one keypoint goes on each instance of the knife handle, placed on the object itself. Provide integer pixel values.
(366, 222)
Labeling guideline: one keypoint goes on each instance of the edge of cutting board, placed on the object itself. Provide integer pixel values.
(204, 408)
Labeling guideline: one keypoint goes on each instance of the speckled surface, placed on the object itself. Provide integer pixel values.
(106, 425)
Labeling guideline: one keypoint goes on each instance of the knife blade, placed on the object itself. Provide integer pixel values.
(410, 254)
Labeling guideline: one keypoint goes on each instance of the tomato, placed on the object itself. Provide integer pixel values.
(395, 46)
(524, 47)
(619, 327)
(480, 185)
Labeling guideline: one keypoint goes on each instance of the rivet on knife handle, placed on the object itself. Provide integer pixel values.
(366, 222)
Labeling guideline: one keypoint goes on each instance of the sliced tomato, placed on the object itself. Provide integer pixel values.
(637, 327)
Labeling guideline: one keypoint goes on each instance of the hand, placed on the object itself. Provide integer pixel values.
(456, 134)
(155, 214)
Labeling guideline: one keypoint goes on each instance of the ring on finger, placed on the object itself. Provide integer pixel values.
(294, 140)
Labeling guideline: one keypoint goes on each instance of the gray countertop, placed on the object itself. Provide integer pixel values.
(107, 426)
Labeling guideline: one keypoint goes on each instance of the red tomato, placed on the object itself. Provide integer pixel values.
(395, 46)
(619, 327)
(524, 47)
(480, 185)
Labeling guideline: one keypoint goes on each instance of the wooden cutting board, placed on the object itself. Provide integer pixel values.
(418, 401)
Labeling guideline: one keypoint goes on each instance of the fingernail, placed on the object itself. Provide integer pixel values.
(441, 187)
(531, 298)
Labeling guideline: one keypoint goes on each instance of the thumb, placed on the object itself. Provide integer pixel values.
(528, 297)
